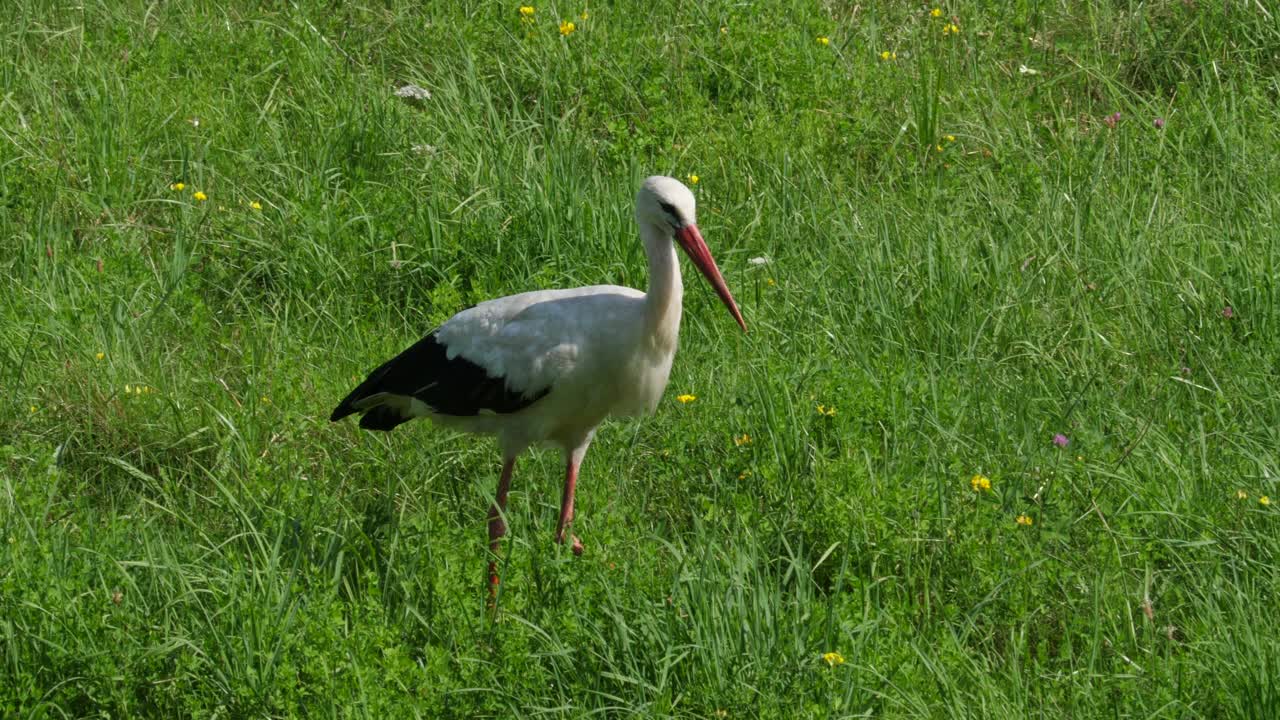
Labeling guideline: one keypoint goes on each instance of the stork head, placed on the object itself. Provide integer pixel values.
(666, 204)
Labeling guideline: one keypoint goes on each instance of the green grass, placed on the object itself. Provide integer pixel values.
(214, 547)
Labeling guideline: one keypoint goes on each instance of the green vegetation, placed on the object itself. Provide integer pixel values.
(183, 533)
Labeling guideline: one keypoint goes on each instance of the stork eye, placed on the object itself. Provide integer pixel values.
(670, 210)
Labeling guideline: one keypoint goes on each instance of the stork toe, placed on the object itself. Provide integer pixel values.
(577, 545)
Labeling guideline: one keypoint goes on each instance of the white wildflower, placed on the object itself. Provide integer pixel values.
(413, 93)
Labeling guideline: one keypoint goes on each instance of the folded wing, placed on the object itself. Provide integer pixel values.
(498, 357)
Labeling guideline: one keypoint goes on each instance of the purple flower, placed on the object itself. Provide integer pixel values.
(1228, 313)
(1159, 123)
(1111, 120)
(1060, 440)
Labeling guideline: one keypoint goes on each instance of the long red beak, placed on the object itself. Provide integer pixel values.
(691, 240)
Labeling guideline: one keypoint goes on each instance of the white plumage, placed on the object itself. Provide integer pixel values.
(547, 367)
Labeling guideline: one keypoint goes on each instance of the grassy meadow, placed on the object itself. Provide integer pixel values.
(984, 229)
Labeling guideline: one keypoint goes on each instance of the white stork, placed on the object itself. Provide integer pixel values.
(546, 367)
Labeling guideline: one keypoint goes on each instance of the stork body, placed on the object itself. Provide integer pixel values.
(547, 367)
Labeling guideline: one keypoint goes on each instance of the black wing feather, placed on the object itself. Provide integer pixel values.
(449, 386)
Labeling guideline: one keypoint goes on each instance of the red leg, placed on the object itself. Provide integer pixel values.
(497, 526)
(566, 502)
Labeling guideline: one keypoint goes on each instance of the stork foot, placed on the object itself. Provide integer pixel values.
(577, 544)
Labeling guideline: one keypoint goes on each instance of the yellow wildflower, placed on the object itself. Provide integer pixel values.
(950, 29)
(265, 400)
(1025, 520)
(1242, 495)
(179, 187)
(770, 282)
(936, 12)
(743, 439)
(950, 138)
(827, 411)
(567, 28)
(823, 40)
(33, 408)
(693, 179)
(833, 659)
(99, 356)
(744, 474)
(938, 148)
(686, 398)
(584, 15)
(200, 196)
(886, 55)
(1264, 500)
(255, 205)
(526, 11)
(980, 483)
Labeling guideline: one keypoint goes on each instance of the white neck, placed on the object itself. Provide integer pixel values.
(666, 291)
